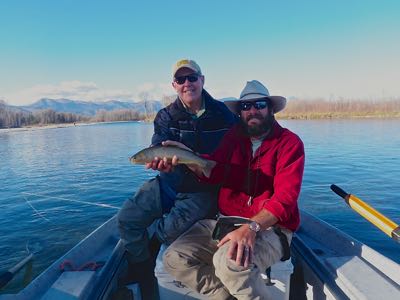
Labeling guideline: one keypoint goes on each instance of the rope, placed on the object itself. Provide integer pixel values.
(68, 265)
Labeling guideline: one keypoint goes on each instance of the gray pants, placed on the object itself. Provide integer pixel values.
(144, 209)
(196, 261)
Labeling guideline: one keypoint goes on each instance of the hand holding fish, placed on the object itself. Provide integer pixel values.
(164, 158)
(164, 164)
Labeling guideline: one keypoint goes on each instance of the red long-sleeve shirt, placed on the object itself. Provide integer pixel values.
(272, 178)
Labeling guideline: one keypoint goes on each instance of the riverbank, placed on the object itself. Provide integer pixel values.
(47, 126)
(328, 115)
(279, 116)
(63, 125)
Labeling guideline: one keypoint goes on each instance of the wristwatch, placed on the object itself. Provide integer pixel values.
(254, 226)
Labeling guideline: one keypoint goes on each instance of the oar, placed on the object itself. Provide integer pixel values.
(383, 223)
(8, 275)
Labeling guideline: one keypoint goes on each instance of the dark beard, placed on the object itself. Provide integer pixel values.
(258, 130)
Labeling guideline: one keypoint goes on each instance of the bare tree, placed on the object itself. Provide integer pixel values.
(144, 96)
(117, 115)
(167, 99)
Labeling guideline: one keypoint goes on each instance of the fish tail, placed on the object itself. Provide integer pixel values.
(208, 167)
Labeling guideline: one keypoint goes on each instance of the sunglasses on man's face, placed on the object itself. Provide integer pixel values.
(260, 104)
(182, 79)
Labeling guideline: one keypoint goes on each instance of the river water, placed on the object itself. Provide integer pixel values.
(58, 185)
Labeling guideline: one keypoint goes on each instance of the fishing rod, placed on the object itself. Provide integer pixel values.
(383, 223)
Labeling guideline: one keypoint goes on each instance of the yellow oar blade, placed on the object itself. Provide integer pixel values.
(383, 223)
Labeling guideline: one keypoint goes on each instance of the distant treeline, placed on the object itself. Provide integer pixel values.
(295, 109)
(323, 109)
(117, 115)
(12, 118)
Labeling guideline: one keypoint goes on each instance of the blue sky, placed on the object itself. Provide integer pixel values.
(102, 50)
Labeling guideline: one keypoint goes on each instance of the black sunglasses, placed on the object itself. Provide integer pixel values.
(182, 79)
(260, 104)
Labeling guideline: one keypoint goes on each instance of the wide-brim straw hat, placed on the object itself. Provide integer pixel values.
(256, 90)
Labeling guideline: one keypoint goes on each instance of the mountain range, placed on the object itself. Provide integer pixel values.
(90, 108)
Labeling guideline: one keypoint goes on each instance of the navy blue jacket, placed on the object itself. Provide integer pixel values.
(202, 134)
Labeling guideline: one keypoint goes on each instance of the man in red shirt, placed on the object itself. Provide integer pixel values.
(260, 166)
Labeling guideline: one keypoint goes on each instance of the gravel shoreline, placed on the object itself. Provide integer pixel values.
(41, 127)
(53, 126)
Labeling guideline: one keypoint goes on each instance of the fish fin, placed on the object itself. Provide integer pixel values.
(209, 166)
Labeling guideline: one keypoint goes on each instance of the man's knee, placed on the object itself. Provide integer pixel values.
(188, 209)
(129, 214)
(219, 262)
(173, 260)
(225, 267)
(122, 214)
(123, 220)
(142, 208)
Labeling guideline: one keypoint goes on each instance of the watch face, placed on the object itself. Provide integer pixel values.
(254, 226)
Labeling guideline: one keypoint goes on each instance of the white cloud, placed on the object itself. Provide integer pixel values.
(86, 91)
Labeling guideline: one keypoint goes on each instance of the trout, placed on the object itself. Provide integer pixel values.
(186, 157)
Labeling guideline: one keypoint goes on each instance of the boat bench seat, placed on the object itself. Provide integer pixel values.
(171, 289)
(370, 285)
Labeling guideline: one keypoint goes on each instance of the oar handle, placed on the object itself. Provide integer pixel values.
(5, 278)
(339, 191)
(369, 213)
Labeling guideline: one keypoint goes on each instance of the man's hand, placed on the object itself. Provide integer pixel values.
(162, 164)
(195, 168)
(242, 244)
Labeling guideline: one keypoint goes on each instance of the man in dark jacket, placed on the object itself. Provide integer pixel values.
(173, 201)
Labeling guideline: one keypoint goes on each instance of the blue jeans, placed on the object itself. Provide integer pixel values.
(146, 209)
(168, 196)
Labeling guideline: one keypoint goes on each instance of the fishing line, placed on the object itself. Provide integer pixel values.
(36, 211)
(70, 200)
(312, 186)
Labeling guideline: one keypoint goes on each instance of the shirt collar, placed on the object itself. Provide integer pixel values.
(201, 110)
